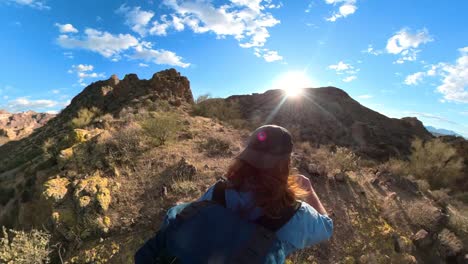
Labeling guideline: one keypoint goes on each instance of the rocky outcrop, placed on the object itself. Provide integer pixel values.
(14, 126)
(330, 116)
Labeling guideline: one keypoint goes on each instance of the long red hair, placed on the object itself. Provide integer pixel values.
(274, 189)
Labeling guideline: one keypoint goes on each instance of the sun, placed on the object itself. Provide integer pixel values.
(292, 82)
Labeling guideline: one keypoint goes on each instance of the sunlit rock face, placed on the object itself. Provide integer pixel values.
(329, 115)
(14, 126)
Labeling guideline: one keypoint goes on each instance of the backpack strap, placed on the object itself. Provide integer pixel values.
(219, 192)
(275, 223)
(263, 237)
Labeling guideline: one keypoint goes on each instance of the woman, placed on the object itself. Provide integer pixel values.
(259, 189)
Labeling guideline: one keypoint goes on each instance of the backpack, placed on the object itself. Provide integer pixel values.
(206, 232)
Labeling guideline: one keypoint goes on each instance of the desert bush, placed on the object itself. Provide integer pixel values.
(425, 215)
(435, 161)
(343, 159)
(202, 98)
(85, 117)
(21, 247)
(161, 128)
(214, 146)
(124, 145)
(458, 220)
(184, 187)
(226, 111)
(6, 194)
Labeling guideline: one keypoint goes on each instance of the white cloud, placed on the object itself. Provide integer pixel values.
(24, 104)
(68, 55)
(268, 55)
(56, 91)
(143, 65)
(83, 72)
(340, 66)
(104, 43)
(405, 44)
(136, 18)
(348, 7)
(454, 85)
(414, 79)
(161, 56)
(66, 28)
(82, 67)
(349, 78)
(365, 96)
(246, 21)
(37, 4)
(370, 49)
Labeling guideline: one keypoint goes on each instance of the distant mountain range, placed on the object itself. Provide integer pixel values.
(442, 132)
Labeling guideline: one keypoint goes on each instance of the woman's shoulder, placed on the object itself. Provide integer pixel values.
(306, 227)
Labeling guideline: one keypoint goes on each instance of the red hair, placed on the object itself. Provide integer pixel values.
(273, 188)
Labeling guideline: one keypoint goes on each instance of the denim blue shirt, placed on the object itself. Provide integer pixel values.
(306, 228)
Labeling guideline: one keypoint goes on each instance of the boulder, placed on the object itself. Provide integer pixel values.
(422, 239)
(402, 244)
(340, 177)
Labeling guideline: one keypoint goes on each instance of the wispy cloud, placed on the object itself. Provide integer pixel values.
(345, 68)
(36, 4)
(22, 104)
(268, 55)
(431, 116)
(347, 7)
(84, 71)
(247, 21)
(405, 44)
(66, 28)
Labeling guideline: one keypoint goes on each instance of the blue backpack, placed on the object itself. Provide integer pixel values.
(207, 232)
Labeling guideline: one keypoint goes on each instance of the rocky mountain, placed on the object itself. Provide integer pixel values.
(329, 115)
(100, 176)
(441, 132)
(14, 126)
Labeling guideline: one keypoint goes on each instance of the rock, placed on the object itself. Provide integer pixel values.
(422, 239)
(375, 181)
(313, 169)
(164, 191)
(340, 177)
(56, 189)
(402, 244)
(449, 245)
(409, 259)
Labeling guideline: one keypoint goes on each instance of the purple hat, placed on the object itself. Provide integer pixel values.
(267, 146)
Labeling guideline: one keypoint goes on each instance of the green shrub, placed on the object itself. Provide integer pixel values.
(161, 128)
(21, 247)
(218, 108)
(85, 117)
(214, 146)
(343, 160)
(435, 161)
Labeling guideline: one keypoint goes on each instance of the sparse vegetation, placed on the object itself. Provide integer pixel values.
(220, 109)
(161, 128)
(124, 145)
(215, 146)
(184, 187)
(435, 161)
(85, 117)
(21, 247)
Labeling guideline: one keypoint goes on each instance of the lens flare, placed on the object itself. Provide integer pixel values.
(293, 83)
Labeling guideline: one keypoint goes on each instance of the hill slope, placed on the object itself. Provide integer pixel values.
(330, 116)
(101, 175)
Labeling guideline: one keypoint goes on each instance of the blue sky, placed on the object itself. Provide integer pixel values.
(398, 57)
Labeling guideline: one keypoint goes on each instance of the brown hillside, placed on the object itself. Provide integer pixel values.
(14, 126)
(330, 116)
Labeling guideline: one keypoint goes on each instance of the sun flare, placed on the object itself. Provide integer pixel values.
(293, 83)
